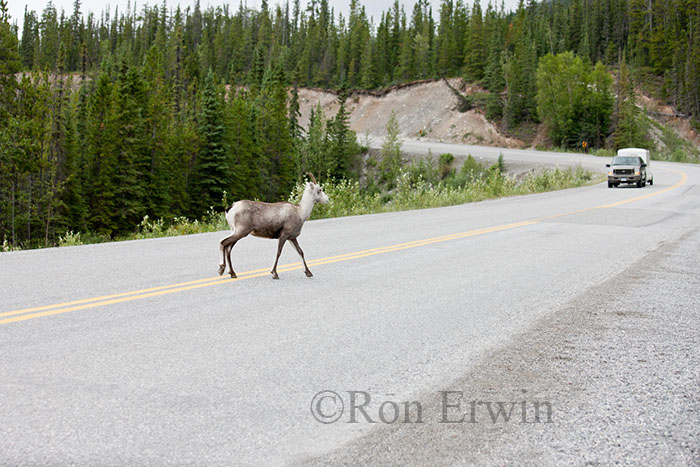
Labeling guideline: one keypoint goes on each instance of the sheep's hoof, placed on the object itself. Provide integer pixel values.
(233, 275)
(274, 275)
(222, 268)
(308, 273)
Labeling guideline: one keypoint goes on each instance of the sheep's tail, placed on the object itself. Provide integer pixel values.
(229, 215)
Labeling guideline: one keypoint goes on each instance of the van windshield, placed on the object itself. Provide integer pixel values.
(626, 161)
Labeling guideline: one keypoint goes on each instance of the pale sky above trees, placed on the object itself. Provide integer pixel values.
(374, 8)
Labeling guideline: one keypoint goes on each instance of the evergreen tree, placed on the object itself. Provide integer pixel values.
(246, 181)
(314, 155)
(390, 163)
(475, 47)
(212, 175)
(73, 213)
(519, 73)
(29, 37)
(366, 68)
(630, 128)
(294, 114)
(133, 174)
(10, 62)
(341, 139)
(102, 138)
(157, 115)
(446, 44)
(9, 152)
(273, 139)
(50, 37)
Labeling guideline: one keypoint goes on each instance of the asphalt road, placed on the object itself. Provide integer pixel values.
(136, 353)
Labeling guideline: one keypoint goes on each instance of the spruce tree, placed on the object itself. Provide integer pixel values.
(10, 62)
(73, 207)
(29, 38)
(245, 177)
(158, 116)
(475, 47)
(630, 127)
(273, 139)
(9, 155)
(340, 139)
(101, 163)
(366, 66)
(294, 114)
(391, 159)
(133, 172)
(315, 157)
(212, 174)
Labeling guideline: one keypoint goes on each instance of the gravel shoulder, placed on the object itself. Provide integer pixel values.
(619, 365)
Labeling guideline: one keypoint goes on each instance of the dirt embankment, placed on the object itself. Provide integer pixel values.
(667, 115)
(427, 109)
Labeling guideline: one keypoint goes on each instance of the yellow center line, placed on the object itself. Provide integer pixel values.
(242, 275)
(116, 295)
(165, 290)
(65, 307)
(683, 180)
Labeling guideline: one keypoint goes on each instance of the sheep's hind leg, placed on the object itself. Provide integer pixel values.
(228, 244)
(301, 253)
(222, 255)
(280, 244)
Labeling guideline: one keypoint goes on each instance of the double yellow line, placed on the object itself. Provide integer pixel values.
(65, 307)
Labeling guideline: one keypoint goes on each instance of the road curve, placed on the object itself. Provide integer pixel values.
(137, 353)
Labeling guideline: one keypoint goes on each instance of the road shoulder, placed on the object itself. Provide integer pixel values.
(619, 366)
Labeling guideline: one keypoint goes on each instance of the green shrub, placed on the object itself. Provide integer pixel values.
(445, 167)
(70, 238)
(7, 246)
(412, 191)
(494, 107)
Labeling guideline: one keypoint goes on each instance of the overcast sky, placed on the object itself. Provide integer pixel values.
(373, 7)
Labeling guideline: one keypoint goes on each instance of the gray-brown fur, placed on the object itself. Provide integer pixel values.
(282, 221)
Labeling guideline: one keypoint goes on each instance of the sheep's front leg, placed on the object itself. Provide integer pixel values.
(280, 244)
(301, 253)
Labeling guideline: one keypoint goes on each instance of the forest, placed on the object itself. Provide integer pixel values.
(108, 117)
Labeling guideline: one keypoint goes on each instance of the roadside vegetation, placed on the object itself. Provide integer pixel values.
(413, 190)
(420, 185)
(388, 184)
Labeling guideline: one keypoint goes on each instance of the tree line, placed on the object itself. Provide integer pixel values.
(316, 46)
(169, 112)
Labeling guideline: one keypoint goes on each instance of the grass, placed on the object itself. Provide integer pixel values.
(151, 228)
(348, 199)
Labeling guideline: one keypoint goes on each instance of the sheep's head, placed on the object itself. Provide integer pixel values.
(315, 190)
